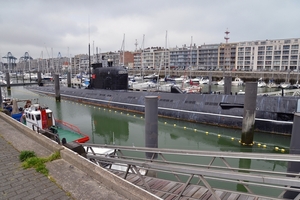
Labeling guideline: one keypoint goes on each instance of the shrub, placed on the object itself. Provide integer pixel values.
(26, 154)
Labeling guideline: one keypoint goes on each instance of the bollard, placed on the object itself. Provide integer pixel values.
(15, 108)
(57, 88)
(7, 80)
(69, 79)
(151, 124)
(39, 76)
(227, 85)
(249, 113)
(294, 167)
(210, 82)
(1, 100)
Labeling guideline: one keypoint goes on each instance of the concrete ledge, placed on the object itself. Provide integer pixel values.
(110, 180)
(42, 140)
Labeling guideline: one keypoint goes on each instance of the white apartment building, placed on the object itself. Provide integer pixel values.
(268, 55)
(151, 58)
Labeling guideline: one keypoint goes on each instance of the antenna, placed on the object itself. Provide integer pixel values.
(226, 37)
(136, 44)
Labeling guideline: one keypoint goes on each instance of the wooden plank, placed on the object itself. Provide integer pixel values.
(190, 190)
(159, 187)
(218, 193)
(225, 195)
(243, 197)
(158, 184)
(175, 193)
(233, 196)
(206, 196)
(199, 193)
(169, 188)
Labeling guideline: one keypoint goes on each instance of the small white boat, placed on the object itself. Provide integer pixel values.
(221, 82)
(181, 79)
(296, 85)
(272, 84)
(204, 80)
(192, 89)
(241, 92)
(285, 85)
(237, 82)
(261, 83)
(142, 86)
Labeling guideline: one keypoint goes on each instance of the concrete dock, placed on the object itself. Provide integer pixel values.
(71, 177)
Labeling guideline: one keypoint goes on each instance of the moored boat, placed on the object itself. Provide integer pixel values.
(41, 119)
(237, 82)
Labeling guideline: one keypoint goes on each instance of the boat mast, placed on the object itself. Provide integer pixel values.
(122, 52)
(165, 55)
(191, 56)
(142, 58)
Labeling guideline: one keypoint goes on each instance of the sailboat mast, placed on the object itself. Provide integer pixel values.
(191, 56)
(142, 57)
(166, 44)
(124, 50)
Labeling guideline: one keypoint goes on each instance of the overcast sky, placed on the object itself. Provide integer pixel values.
(44, 27)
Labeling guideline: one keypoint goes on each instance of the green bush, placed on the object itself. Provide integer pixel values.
(29, 160)
(26, 154)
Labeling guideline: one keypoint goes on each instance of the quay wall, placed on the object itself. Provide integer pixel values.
(112, 181)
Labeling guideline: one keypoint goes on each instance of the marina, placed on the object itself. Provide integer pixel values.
(99, 123)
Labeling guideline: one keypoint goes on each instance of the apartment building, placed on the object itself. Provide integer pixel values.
(208, 56)
(151, 58)
(261, 55)
(269, 55)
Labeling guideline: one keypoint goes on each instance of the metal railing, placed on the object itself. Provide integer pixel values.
(216, 167)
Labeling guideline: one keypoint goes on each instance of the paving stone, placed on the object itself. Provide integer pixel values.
(18, 183)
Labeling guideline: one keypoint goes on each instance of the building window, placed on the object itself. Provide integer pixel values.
(260, 58)
(261, 48)
(286, 47)
(276, 57)
(261, 53)
(269, 53)
(294, 57)
(260, 62)
(285, 57)
(276, 63)
(269, 47)
(268, 57)
(294, 52)
(277, 52)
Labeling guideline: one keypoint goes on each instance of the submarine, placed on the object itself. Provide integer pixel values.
(109, 87)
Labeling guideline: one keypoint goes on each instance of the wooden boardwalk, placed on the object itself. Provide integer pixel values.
(170, 190)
